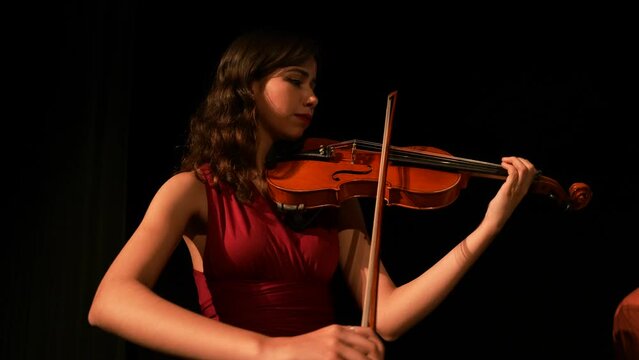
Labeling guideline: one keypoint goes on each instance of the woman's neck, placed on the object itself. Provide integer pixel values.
(263, 146)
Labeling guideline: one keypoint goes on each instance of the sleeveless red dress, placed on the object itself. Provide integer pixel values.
(260, 274)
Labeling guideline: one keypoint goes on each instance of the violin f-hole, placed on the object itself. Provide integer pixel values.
(354, 172)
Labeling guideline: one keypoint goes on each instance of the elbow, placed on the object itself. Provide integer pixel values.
(94, 313)
(92, 318)
(99, 310)
(107, 308)
(390, 329)
(388, 335)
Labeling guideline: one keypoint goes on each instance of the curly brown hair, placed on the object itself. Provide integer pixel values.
(222, 131)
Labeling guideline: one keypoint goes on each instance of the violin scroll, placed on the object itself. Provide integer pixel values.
(577, 197)
(580, 195)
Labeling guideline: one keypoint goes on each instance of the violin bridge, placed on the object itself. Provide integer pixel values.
(353, 152)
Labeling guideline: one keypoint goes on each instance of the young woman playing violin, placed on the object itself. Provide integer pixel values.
(264, 285)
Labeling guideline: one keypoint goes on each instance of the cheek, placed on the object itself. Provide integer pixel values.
(276, 100)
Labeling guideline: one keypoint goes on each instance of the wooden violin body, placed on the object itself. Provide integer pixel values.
(327, 172)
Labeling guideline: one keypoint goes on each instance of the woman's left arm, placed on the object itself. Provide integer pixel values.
(400, 308)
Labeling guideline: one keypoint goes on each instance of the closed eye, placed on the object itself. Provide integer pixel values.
(298, 76)
(294, 81)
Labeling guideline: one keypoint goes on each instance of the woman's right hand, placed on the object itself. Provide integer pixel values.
(330, 342)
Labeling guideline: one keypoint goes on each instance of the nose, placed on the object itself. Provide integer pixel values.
(312, 100)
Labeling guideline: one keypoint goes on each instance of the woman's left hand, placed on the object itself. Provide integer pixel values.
(521, 174)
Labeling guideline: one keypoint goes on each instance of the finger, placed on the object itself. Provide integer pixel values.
(519, 163)
(524, 169)
(364, 340)
(528, 164)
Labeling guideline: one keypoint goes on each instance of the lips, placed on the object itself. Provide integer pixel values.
(305, 117)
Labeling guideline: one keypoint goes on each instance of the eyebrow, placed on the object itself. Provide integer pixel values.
(299, 70)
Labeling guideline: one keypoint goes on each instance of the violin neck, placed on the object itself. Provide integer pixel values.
(432, 160)
(448, 163)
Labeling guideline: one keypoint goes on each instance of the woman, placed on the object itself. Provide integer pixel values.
(263, 284)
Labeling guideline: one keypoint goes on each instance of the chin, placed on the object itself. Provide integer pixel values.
(292, 136)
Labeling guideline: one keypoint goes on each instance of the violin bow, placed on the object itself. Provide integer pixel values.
(369, 309)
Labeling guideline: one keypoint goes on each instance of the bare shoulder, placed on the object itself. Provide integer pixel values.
(184, 181)
(184, 192)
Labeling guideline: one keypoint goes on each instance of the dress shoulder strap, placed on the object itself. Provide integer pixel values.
(204, 171)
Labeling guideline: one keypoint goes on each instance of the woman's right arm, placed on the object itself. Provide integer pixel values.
(125, 305)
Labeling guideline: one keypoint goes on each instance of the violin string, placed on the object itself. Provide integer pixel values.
(450, 162)
(416, 157)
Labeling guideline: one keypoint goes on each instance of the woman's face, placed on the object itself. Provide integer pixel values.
(285, 101)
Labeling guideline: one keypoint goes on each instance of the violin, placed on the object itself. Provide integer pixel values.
(327, 172)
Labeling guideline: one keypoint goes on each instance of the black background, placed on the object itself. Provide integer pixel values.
(102, 94)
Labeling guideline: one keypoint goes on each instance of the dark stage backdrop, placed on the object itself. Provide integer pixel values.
(102, 94)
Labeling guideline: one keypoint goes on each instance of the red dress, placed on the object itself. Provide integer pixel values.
(261, 275)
